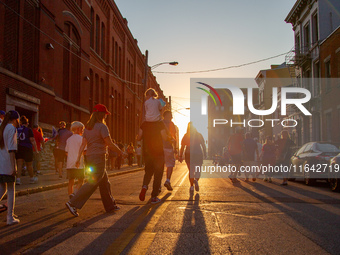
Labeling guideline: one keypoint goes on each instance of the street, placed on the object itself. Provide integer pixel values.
(222, 218)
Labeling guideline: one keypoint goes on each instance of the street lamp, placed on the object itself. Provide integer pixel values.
(173, 63)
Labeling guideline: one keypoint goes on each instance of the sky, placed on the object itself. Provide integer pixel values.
(204, 35)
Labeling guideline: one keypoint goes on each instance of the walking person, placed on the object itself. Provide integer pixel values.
(195, 151)
(250, 154)
(96, 137)
(8, 169)
(26, 143)
(130, 150)
(284, 149)
(60, 155)
(168, 147)
(72, 148)
(268, 157)
(235, 150)
(153, 133)
(119, 159)
(139, 155)
(112, 158)
(39, 140)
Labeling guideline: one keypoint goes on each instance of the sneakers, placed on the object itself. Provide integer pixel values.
(142, 193)
(168, 186)
(34, 180)
(18, 181)
(197, 187)
(155, 200)
(72, 209)
(116, 208)
(12, 220)
(192, 189)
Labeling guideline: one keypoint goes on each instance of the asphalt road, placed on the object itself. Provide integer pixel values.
(222, 218)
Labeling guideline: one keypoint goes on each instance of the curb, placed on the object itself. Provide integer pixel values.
(64, 184)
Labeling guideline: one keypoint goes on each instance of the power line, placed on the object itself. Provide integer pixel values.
(134, 83)
(224, 68)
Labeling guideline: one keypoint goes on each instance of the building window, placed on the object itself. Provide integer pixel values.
(306, 36)
(328, 75)
(102, 53)
(97, 33)
(92, 29)
(71, 61)
(11, 32)
(329, 126)
(316, 79)
(102, 91)
(91, 91)
(96, 91)
(315, 28)
(297, 44)
(30, 43)
(116, 58)
(306, 80)
(113, 53)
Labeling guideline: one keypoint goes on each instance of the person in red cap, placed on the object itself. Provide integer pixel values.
(96, 137)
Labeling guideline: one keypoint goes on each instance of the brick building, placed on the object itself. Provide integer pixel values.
(59, 58)
(330, 86)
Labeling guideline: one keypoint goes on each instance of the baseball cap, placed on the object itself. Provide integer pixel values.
(14, 115)
(2, 112)
(101, 108)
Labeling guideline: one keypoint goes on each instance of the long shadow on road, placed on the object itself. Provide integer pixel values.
(318, 224)
(193, 238)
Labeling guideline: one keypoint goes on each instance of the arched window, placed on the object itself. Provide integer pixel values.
(91, 99)
(71, 64)
(92, 29)
(102, 52)
(97, 34)
(96, 92)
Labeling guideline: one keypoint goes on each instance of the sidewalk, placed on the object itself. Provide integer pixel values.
(49, 180)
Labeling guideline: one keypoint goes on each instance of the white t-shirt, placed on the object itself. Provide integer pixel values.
(73, 144)
(10, 144)
(153, 109)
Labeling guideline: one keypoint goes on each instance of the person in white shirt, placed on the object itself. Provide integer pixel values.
(73, 144)
(8, 169)
(152, 106)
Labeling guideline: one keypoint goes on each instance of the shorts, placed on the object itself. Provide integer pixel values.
(4, 178)
(169, 157)
(24, 153)
(236, 159)
(60, 155)
(75, 173)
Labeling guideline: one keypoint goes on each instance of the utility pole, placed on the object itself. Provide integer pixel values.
(145, 82)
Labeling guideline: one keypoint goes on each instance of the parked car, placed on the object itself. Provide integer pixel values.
(311, 161)
(334, 174)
